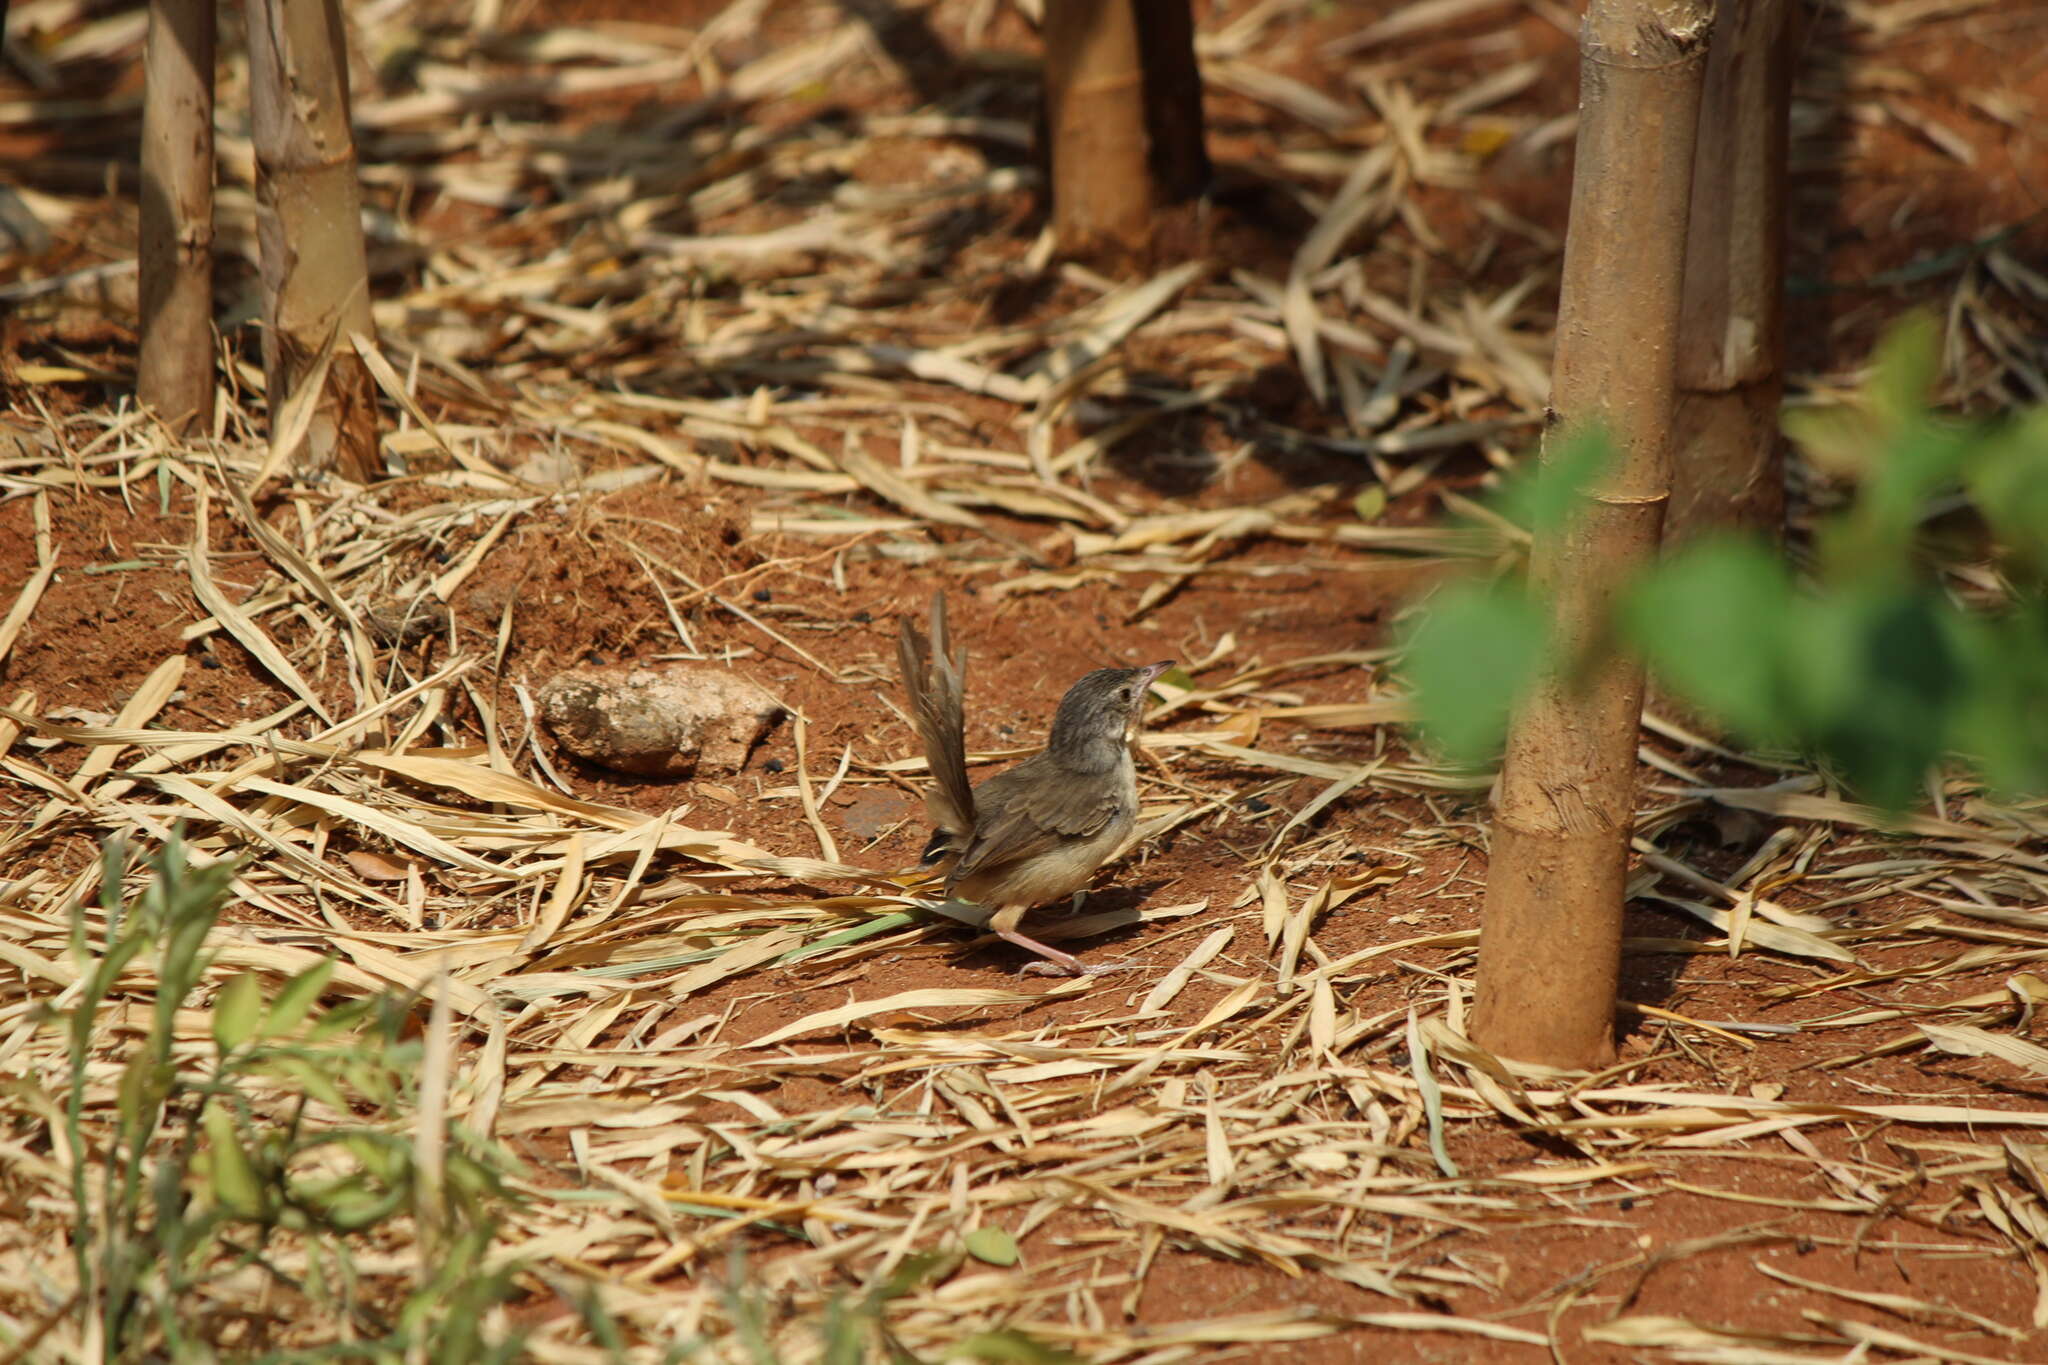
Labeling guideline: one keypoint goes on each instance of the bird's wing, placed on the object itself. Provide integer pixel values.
(1030, 810)
(935, 679)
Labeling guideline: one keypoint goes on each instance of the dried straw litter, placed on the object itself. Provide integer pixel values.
(713, 301)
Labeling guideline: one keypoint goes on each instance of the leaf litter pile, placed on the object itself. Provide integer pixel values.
(733, 342)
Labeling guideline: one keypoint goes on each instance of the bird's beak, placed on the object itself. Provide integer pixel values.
(1151, 675)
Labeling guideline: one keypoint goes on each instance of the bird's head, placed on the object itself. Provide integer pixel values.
(1102, 712)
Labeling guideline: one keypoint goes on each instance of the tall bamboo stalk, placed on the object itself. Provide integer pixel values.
(315, 276)
(1728, 468)
(1550, 938)
(174, 375)
(1123, 117)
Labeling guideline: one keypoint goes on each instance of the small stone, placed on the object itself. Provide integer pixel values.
(548, 469)
(673, 720)
(398, 622)
(868, 813)
(763, 595)
(773, 765)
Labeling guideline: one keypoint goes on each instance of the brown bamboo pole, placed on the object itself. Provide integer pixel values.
(1179, 148)
(174, 375)
(1728, 467)
(309, 222)
(1550, 936)
(1123, 118)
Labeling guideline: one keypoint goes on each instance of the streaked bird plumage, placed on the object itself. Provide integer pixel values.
(1036, 832)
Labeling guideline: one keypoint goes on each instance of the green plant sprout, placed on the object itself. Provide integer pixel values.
(213, 1163)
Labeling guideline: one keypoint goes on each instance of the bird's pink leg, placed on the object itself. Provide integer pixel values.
(1005, 922)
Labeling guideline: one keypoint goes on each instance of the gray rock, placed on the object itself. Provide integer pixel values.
(663, 720)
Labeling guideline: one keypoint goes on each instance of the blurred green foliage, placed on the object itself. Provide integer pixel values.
(298, 1126)
(1881, 661)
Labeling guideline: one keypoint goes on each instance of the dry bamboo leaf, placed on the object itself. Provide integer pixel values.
(562, 900)
(1273, 905)
(893, 488)
(487, 784)
(1176, 980)
(395, 388)
(1678, 1334)
(1918, 1310)
(906, 1000)
(445, 584)
(1444, 1322)
(1870, 1334)
(236, 621)
(32, 590)
(1223, 1009)
(1117, 316)
(1421, 17)
(1797, 805)
(140, 708)
(1976, 1042)
(375, 867)
(1776, 937)
(1322, 1014)
(1431, 1095)
(385, 823)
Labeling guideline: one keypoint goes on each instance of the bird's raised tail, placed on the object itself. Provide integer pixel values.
(934, 679)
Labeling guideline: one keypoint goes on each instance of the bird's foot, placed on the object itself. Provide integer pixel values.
(1079, 968)
(1055, 962)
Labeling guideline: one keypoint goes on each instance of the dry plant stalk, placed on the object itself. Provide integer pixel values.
(1550, 943)
(1123, 118)
(315, 276)
(175, 371)
(1728, 468)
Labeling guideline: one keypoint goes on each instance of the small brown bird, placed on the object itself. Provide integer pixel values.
(1037, 832)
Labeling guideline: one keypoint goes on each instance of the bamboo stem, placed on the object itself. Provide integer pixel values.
(1550, 939)
(1728, 468)
(174, 375)
(315, 274)
(1123, 111)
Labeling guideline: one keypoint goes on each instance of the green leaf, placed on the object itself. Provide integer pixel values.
(235, 1185)
(298, 996)
(237, 1010)
(1477, 649)
(341, 1018)
(352, 1205)
(1873, 677)
(1544, 495)
(992, 1245)
(136, 1097)
(1710, 621)
(1999, 722)
(2007, 477)
(915, 1271)
(1880, 534)
(1008, 1344)
(312, 1079)
(1371, 502)
(1905, 368)
(1842, 439)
